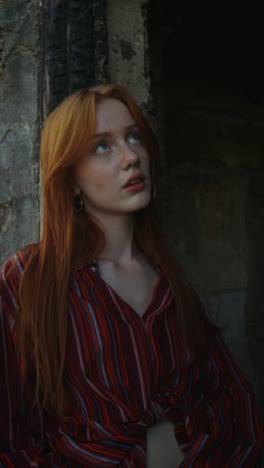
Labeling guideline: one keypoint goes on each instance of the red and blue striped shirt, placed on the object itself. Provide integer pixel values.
(123, 374)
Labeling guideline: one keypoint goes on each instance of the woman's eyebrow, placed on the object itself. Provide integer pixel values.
(109, 134)
(132, 127)
(97, 136)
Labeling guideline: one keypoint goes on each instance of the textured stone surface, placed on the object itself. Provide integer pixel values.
(227, 308)
(128, 44)
(214, 217)
(75, 48)
(211, 107)
(19, 125)
(211, 159)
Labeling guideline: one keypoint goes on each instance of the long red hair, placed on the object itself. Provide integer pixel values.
(69, 236)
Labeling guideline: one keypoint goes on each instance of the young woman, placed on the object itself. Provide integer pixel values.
(108, 356)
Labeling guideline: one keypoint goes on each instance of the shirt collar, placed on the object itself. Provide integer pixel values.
(82, 262)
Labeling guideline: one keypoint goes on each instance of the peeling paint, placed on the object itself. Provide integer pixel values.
(128, 47)
(127, 50)
(19, 126)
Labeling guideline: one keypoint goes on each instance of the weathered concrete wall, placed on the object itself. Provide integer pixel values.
(65, 42)
(213, 223)
(213, 140)
(20, 45)
(75, 48)
(128, 45)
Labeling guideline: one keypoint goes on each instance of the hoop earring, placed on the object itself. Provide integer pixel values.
(78, 203)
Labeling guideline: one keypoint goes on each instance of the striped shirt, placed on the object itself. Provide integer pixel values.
(123, 374)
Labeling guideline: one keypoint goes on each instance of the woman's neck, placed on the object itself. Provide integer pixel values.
(119, 240)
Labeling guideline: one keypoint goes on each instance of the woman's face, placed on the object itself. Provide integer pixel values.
(114, 176)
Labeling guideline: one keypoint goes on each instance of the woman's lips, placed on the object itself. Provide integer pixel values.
(134, 179)
(137, 187)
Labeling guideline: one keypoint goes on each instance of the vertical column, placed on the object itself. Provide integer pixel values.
(20, 89)
(128, 47)
(75, 48)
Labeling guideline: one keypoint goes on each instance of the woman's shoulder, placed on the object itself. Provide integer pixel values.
(13, 269)
(19, 259)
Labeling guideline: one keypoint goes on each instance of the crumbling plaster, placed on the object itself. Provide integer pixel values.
(20, 39)
(128, 62)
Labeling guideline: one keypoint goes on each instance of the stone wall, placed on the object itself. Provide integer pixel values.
(20, 89)
(75, 48)
(206, 74)
(128, 62)
(214, 218)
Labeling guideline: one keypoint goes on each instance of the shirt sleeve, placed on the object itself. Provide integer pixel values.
(223, 424)
(18, 446)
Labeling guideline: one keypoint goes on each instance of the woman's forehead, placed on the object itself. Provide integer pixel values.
(112, 114)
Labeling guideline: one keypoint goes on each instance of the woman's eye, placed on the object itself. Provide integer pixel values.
(101, 148)
(134, 138)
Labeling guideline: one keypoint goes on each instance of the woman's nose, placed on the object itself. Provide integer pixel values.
(129, 156)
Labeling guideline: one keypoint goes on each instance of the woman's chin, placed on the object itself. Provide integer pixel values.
(140, 204)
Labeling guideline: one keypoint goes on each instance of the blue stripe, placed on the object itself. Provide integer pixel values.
(85, 452)
(250, 417)
(82, 305)
(102, 355)
(245, 456)
(116, 359)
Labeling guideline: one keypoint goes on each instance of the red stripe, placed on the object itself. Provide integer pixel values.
(116, 364)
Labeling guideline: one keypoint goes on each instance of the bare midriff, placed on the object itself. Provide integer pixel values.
(163, 450)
